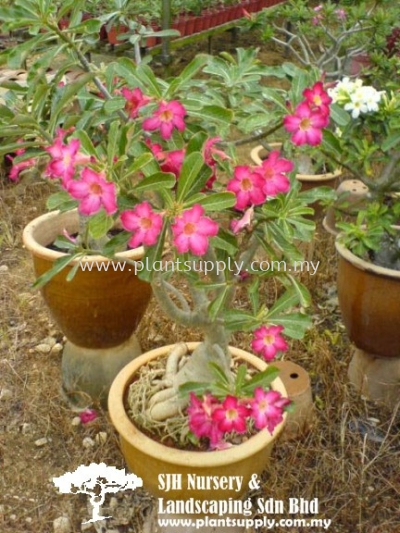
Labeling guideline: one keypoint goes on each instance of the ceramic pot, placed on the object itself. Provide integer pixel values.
(369, 299)
(98, 310)
(148, 458)
(308, 181)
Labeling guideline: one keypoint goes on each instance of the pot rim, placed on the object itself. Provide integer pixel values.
(255, 156)
(40, 250)
(361, 264)
(129, 432)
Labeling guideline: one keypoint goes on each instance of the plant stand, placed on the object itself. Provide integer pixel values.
(376, 378)
(92, 370)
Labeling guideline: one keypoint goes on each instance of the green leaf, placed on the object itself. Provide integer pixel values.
(220, 374)
(153, 254)
(225, 241)
(86, 142)
(187, 73)
(295, 324)
(112, 144)
(289, 299)
(198, 388)
(303, 293)
(240, 379)
(262, 379)
(214, 113)
(191, 168)
(58, 267)
(339, 115)
(113, 105)
(218, 201)
(68, 95)
(156, 182)
(391, 141)
(58, 199)
(217, 305)
(99, 224)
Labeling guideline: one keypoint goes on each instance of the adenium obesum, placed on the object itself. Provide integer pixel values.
(87, 179)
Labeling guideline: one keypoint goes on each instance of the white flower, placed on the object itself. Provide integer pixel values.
(357, 104)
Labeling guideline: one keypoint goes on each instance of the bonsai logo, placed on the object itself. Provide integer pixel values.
(96, 480)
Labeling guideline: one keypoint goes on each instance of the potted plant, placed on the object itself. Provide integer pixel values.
(366, 143)
(328, 36)
(129, 149)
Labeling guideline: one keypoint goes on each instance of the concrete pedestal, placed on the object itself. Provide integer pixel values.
(376, 378)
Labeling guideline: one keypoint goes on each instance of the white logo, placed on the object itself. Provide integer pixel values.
(96, 480)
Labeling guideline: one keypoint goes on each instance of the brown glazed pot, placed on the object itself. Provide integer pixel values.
(97, 309)
(369, 299)
(148, 458)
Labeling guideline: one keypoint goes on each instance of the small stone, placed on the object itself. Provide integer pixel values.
(6, 394)
(28, 520)
(26, 428)
(62, 524)
(101, 437)
(41, 442)
(88, 442)
(43, 348)
(76, 421)
(113, 503)
(56, 349)
(3, 268)
(51, 341)
(13, 517)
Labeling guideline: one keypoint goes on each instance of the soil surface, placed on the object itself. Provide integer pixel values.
(349, 458)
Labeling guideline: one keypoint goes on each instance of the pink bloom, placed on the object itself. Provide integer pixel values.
(273, 171)
(192, 231)
(94, 192)
(135, 99)
(209, 154)
(168, 116)
(306, 125)
(318, 98)
(248, 187)
(341, 14)
(88, 415)
(231, 415)
(145, 224)
(172, 161)
(316, 20)
(267, 341)
(65, 157)
(238, 225)
(17, 168)
(318, 8)
(267, 408)
(201, 423)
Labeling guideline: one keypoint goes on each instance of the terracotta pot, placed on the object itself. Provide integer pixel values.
(148, 458)
(97, 309)
(114, 32)
(308, 181)
(369, 299)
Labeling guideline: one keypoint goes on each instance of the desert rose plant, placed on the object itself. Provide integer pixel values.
(124, 145)
(366, 143)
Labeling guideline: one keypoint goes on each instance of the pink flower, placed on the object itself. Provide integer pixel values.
(88, 415)
(135, 99)
(168, 116)
(192, 231)
(94, 192)
(267, 408)
(145, 224)
(267, 341)
(306, 125)
(341, 14)
(273, 171)
(17, 168)
(231, 415)
(65, 157)
(248, 187)
(201, 423)
(318, 98)
(238, 225)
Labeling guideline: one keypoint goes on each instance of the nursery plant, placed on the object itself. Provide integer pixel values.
(122, 144)
(327, 36)
(366, 143)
